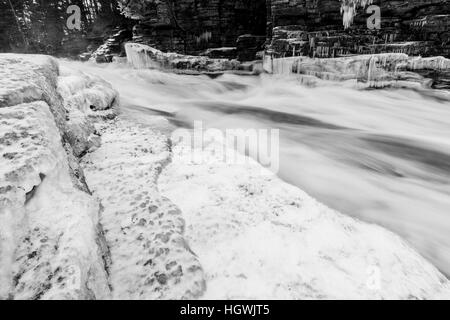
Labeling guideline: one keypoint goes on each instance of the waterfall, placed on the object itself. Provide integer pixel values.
(284, 65)
(142, 57)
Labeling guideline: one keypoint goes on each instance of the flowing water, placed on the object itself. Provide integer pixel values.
(382, 156)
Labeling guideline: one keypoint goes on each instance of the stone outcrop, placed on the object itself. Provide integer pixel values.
(374, 71)
(316, 28)
(142, 56)
(51, 246)
(190, 27)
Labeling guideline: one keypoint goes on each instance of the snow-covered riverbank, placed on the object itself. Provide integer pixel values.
(259, 237)
(51, 245)
(159, 226)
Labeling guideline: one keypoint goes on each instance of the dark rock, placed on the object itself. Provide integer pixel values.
(113, 47)
(315, 28)
(221, 53)
(192, 26)
(248, 46)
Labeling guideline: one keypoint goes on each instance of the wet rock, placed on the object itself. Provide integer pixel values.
(316, 28)
(248, 46)
(113, 47)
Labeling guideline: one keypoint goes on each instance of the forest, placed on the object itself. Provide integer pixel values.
(39, 26)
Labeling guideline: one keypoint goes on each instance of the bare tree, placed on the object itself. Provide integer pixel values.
(24, 38)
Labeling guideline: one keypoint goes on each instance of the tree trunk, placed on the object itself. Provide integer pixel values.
(25, 41)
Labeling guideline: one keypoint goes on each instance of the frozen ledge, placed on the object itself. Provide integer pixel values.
(142, 56)
(208, 230)
(260, 238)
(371, 70)
(51, 245)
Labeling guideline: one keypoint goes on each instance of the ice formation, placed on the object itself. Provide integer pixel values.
(377, 70)
(142, 57)
(215, 230)
(349, 8)
(51, 245)
(260, 238)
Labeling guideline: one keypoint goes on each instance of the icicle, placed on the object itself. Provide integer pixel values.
(140, 56)
(348, 10)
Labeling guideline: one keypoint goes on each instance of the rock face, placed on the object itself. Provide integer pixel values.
(374, 71)
(190, 26)
(293, 27)
(315, 28)
(142, 56)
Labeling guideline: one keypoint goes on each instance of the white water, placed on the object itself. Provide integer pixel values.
(379, 155)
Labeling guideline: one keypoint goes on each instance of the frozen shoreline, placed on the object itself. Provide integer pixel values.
(171, 228)
(259, 237)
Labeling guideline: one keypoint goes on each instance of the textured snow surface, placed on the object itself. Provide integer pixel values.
(85, 97)
(258, 237)
(51, 246)
(48, 237)
(144, 231)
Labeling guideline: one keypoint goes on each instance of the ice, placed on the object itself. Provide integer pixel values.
(49, 229)
(51, 245)
(260, 238)
(348, 10)
(376, 71)
(142, 57)
(144, 230)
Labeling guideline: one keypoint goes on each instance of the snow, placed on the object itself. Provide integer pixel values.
(48, 226)
(141, 57)
(348, 10)
(150, 259)
(373, 71)
(51, 245)
(85, 97)
(260, 238)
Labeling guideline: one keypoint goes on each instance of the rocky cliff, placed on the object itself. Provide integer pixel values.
(191, 26)
(320, 28)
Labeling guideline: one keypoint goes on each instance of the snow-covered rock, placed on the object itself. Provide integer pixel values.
(377, 70)
(141, 56)
(258, 237)
(51, 244)
(49, 231)
(144, 230)
(85, 97)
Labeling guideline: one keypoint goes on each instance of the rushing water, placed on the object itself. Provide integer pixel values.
(382, 156)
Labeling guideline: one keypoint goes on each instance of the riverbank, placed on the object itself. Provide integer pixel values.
(148, 223)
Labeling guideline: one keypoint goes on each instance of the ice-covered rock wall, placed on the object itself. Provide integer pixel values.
(51, 245)
(333, 28)
(142, 56)
(378, 70)
(348, 10)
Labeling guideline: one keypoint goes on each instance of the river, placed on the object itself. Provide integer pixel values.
(381, 156)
